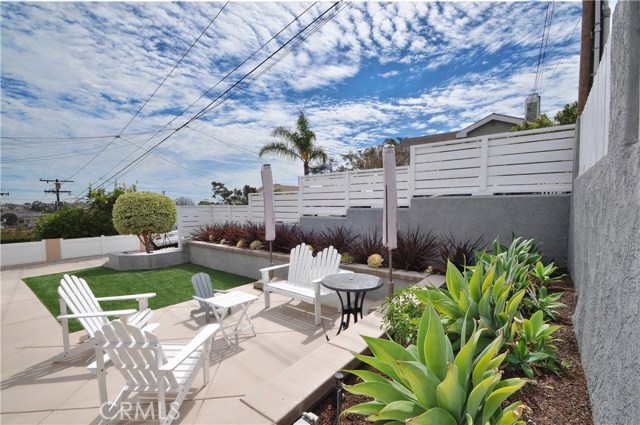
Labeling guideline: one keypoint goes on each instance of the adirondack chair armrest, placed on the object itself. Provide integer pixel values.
(279, 266)
(98, 314)
(127, 297)
(203, 337)
(345, 271)
(143, 299)
(151, 327)
(266, 270)
(197, 298)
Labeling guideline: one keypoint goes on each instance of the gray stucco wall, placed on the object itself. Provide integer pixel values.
(545, 217)
(604, 251)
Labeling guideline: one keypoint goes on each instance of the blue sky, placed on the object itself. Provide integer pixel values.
(75, 73)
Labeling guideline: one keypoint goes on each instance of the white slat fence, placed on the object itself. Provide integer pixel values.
(533, 161)
(594, 121)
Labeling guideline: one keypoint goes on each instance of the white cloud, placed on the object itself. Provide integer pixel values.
(74, 69)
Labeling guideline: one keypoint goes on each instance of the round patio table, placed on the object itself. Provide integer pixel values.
(356, 283)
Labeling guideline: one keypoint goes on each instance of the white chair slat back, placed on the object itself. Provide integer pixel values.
(326, 262)
(300, 263)
(202, 285)
(79, 300)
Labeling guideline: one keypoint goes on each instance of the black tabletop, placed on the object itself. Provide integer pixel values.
(352, 282)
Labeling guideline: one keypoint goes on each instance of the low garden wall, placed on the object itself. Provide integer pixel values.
(246, 262)
(124, 261)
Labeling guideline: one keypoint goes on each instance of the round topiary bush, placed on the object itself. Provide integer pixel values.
(144, 213)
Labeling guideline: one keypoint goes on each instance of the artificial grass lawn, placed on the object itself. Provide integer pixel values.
(172, 285)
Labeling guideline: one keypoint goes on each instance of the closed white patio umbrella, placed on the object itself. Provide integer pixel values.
(269, 215)
(390, 208)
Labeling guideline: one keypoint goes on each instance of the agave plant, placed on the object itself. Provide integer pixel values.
(544, 275)
(533, 347)
(515, 262)
(424, 384)
(542, 300)
(483, 297)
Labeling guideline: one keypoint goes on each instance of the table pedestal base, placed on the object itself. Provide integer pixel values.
(350, 308)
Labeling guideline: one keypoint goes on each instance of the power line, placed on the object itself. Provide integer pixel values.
(212, 104)
(563, 53)
(107, 136)
(155, 91)
(244, 61)
(546, 30)
(215, 85)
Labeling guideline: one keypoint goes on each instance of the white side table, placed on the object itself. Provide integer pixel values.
(224, 303)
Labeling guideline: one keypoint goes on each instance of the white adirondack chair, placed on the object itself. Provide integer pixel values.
(304, 278)
(149, 367)
(76, 295)
(204, 289)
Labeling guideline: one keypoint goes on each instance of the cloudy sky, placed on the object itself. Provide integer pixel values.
(75, 75)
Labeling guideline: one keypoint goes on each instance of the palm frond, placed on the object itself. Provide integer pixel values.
(279, 149)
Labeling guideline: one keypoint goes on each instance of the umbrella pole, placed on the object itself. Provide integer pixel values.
(270, 254)
(390, 286)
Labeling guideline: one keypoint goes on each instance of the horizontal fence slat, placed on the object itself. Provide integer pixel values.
(531, 157)
(529, 179)
(536, 168)
(520, 148)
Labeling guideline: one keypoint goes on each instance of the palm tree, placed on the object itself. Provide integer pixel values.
(296, 144)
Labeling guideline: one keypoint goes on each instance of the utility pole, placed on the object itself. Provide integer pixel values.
(57, 184)
(586, 53)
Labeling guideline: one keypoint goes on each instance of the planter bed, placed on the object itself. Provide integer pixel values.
(551, 399)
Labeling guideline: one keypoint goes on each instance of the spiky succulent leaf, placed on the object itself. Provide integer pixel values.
(450, 395)
(497, 397)
(398, 411)
(435, 416)
(421, 381)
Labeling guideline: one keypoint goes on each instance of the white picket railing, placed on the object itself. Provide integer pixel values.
(533, 161)
(594, 121)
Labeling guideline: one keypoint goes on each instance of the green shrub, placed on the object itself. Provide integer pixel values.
(17, 235)
(402, 313)
(144, 213)
(426, 384)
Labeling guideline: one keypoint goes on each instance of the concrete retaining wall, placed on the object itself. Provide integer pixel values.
(142, 261)
(605, 245)
(545, 217)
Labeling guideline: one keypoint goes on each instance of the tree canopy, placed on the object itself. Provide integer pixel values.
(224, 195)
(567, 115)
(142, 214)
(91, 219)
(296, 144)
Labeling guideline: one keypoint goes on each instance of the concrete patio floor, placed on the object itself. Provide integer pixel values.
(248, 382)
